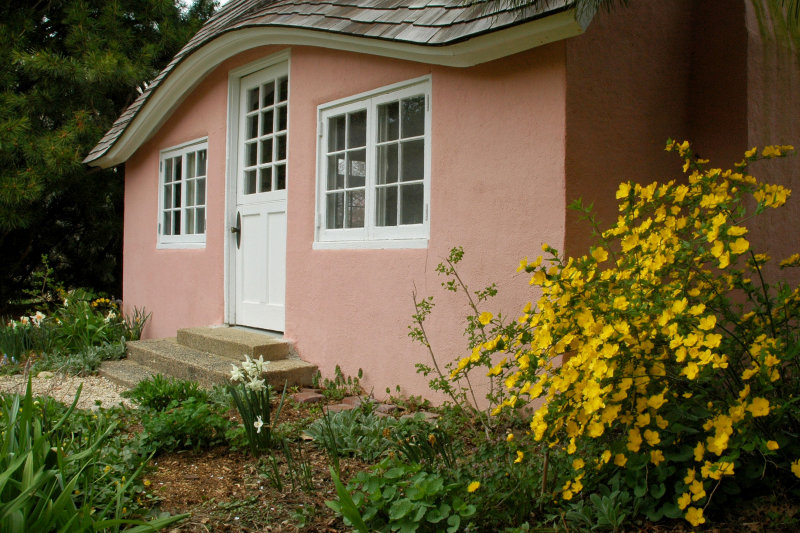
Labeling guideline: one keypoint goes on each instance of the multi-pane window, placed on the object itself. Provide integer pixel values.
(374, 166)
(182, 199)
(265, 125)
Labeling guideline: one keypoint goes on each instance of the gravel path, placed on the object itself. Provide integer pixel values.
(63, 388)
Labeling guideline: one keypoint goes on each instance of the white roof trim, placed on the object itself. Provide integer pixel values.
(194, 68)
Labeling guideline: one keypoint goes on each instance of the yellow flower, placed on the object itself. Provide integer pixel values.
(475, 485)
(751, 152)
(684, 500)
(599, 254)
(695, 516)
(759, 407)
(623, 191)
(656, 457)
(796, 468)
(772, 445)
(620, 460)
(656, 401)
(578, 463)
(707, 323)
(740, 246)
(509, 437)
(520, 456)
(485, 318)
(651, 437)
(634, 440)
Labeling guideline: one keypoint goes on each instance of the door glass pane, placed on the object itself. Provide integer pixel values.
(252, 127)
(266, 151)
(250, 182)
(334, 211)
(387, 163)
(283, 89)
(280, 171)
(357, 168)
(413, 116)
(335, 172)
(268, 94)
(252, 99)
(357, 129)
(280, 148)
(336, 131)
(281, 118)
(265, 179)
(168, 171)
(413, 160)
(266, 122)
(411, 203)
(355, 209)
(388, 121)
(387, 206)
(250, 153)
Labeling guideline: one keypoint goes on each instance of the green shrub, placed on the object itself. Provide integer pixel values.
(680, 365)
(80, 363)
(399, 496)
(340, 386)
(159, 392)
(53, 474)
(355, 432)
(189, 424)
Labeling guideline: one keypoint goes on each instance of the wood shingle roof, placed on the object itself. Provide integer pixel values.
(426, 23)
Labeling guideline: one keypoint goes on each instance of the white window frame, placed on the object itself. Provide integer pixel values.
(182, 240)
(372, 235)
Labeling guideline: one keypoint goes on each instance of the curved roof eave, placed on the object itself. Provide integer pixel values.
(157, 106)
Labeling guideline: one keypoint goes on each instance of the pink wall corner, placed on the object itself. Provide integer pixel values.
(497, 189)
(627, 92)
(180, 287)
(773, 99)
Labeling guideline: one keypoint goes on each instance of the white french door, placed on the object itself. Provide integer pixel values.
(259, 230)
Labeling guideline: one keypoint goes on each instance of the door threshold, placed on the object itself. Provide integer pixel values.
(269, 332)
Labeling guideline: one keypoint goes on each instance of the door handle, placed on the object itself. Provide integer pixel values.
(237, 229)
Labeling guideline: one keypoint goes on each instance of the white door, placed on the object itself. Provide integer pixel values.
(260, 229)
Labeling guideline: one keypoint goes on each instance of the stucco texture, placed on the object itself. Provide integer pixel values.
(497, 189)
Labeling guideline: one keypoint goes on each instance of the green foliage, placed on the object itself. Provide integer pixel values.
(54, 474)
(354, 432)
(83, 362)
(340, 386)
(68, 68)
(396, 496)
(251, 395)
(189, 424)
(159, 392)
(295, 467)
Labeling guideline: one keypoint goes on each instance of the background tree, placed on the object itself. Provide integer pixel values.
(68, 68)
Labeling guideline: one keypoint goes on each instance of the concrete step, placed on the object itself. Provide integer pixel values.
(234, 343)
(168, 357)
(125, 372)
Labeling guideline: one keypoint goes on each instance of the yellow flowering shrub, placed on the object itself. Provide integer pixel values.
(679, 360)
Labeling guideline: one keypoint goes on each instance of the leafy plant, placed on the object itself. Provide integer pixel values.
(42, 472)
(340, 386)
(400, 496)
(159, 392)
(189, 424)
(251, 394)
(80, 363)
(356, 431)
(679, 357)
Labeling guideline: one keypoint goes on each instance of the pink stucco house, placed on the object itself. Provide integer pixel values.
(302, 166)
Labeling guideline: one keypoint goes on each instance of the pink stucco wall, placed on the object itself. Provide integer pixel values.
(497, 188)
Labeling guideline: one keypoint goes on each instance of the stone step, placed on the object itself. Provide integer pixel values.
(168, 357)
(125, 372)
(234, 343)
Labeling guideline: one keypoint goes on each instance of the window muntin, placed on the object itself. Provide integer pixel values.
(265, 134)
(182, 214)
(374, 166)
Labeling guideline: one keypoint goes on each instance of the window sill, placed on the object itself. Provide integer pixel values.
(384, 244)
(180, 245)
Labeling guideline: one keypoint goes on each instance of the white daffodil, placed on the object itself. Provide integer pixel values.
(37, 318)
(236, 374)
(260, 364)
(258, 424)
(255, 384)
(249, 366)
